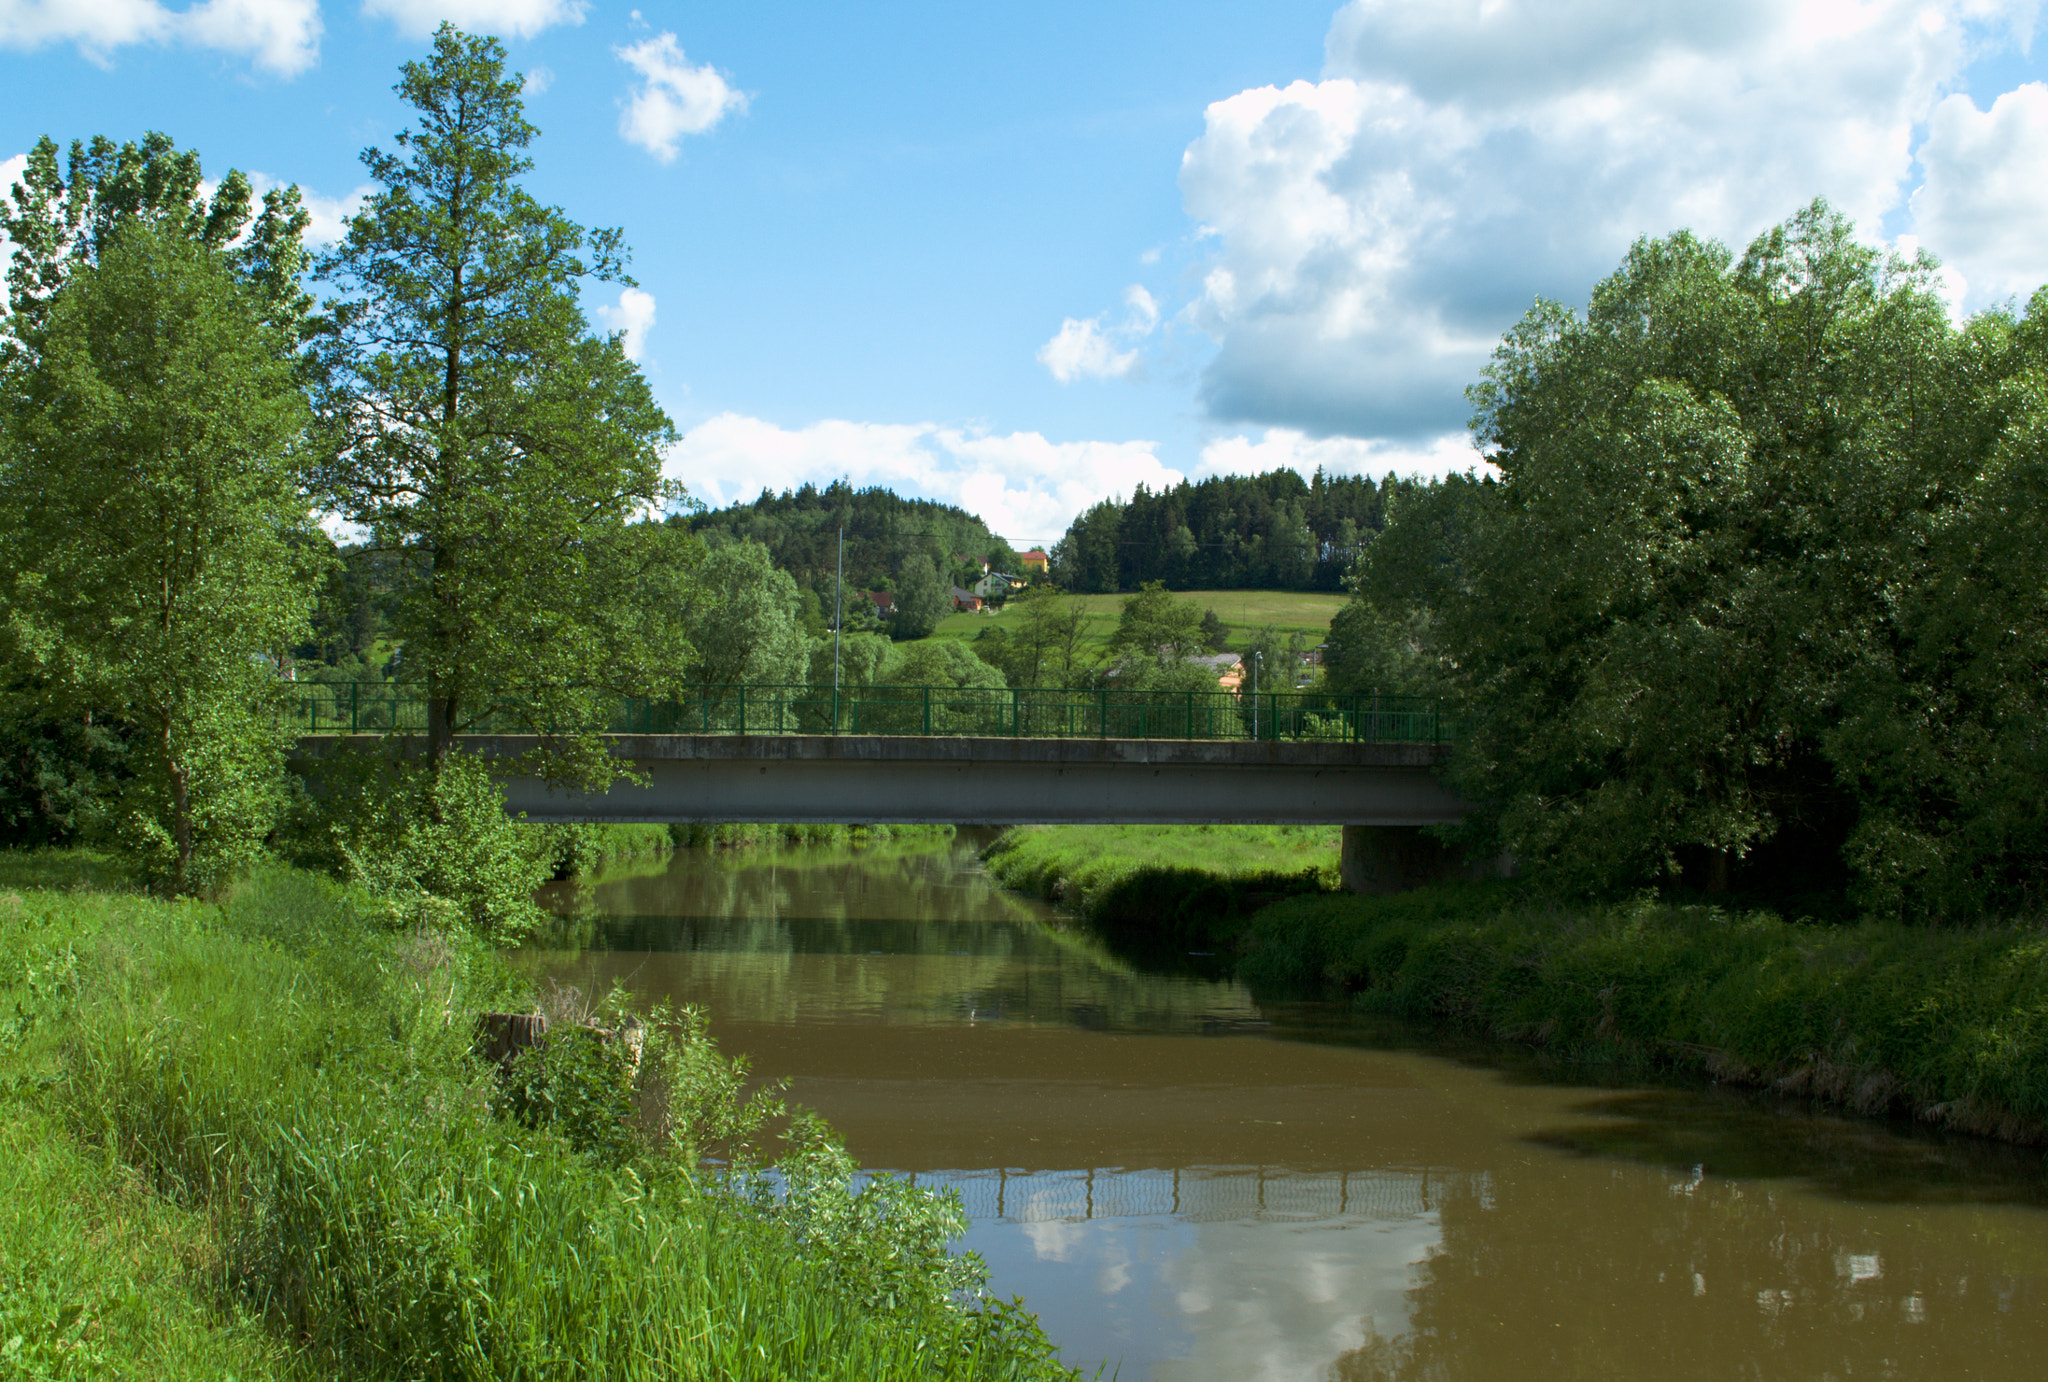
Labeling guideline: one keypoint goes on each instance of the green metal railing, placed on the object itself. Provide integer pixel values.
(387, 707)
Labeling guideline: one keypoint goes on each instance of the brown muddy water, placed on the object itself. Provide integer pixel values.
(1185, 1182)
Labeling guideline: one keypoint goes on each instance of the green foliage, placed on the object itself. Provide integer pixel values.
(60, 767)
(289, 1083)
(923, 598)
(1949, 1026)
(801, 530)
(862, 657)
(437, 843)
(63, 219)
(734, 835)
(741, 620)
(155, 561)
(1729, 612)
(483, 434)
(1271, 532)
(1042, 645)
(585, 847)
(940, 662)
(1177, 886)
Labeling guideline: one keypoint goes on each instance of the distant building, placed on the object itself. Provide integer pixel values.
(1034, 561)
(995, 584)
(1228, 667)
(966, 599)
(885, 603)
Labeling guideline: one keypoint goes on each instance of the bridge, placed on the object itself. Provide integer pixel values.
(979, 756)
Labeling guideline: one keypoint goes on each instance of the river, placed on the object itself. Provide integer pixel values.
(1187, 1183)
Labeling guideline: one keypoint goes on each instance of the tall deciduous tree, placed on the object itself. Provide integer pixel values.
(154, 529)
(923, 598)
(61, 216)
(741, 619)
(482, 430)
(1710, 486)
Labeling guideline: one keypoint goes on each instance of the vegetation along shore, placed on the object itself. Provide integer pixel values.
(1947, 1025)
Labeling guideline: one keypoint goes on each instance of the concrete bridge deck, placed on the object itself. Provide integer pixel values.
(885, 779)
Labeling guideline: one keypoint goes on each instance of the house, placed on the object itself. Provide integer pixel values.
(885, 603)
(1034, 561)
(995, 584)
(1228, 667)
(966, 599)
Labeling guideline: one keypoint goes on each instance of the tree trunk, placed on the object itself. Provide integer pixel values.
(1717, 870)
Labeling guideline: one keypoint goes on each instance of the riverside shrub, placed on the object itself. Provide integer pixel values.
(1949, 1025)
(293, 1069)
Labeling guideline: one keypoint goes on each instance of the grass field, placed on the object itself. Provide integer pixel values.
(1242, 611)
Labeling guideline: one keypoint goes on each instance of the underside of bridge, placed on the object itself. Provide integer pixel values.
(1383, 793)
(871, 779)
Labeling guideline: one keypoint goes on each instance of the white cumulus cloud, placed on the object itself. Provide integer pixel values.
(280, 36)
(673, 98)
(1984, 202)
(1376, 230)
(1286, 448)
(512, 18)
(634, 315)
(10, 173)
(1084, 348)
(1026, 488)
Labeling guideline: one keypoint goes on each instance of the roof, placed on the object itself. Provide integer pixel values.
(1222, 662)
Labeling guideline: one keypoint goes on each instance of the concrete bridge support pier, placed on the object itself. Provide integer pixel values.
(1382, 859)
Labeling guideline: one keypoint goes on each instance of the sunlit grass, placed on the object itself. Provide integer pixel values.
(256, 1129)
(1242, 612)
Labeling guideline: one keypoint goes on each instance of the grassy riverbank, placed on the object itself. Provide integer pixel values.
(1181, 886)
(1947, 1025)
(250, 1139)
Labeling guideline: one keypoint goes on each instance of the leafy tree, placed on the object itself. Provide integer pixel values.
(156, 552)
(1653, 624)
(1215, 637)
(1277, 657)
(801, 529)
(742, 622)
(941, 662)
(1155, 624)
(480, 430)
(1272, 531)
(863, 657)
(923, 598)
(62, 218)
(1043, 647)
(61, 764)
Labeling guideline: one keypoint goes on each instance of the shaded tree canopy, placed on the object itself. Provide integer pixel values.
(800, 528)
(1757, 592)
(1275, 531)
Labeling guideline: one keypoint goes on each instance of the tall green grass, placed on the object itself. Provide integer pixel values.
(289, 1076)
(1947, 1025)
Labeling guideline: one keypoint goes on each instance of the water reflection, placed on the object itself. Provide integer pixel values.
(1195, 1185)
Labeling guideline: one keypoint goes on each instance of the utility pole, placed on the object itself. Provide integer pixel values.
(838, 618)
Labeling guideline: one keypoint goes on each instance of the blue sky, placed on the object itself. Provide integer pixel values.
(1020, 257)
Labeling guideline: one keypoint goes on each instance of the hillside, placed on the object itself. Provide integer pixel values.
(1243, 612)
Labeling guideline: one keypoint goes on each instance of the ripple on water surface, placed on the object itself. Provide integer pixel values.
(1192, 1184)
